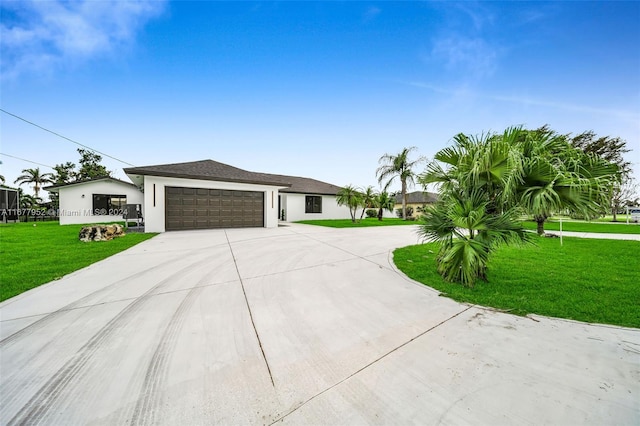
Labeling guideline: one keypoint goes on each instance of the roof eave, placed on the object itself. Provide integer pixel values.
(56, 188)
(290, 191)
(200, 177)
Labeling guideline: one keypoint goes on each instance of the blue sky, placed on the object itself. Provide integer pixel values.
(310, 89)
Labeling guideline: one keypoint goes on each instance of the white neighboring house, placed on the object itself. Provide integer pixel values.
(95, 201)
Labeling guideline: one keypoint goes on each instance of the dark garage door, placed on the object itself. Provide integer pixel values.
(197, 208)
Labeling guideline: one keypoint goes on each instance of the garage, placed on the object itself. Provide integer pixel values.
(201, 208)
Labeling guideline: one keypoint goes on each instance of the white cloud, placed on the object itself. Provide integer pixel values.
(625, 115)
(477, 14)
(36, 36)
(471, 56)
(371, 13)
(616, 113)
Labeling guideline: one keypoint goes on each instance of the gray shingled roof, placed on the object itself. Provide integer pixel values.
(302, 185)
(418, 197)
(213, 170)
(204, 170)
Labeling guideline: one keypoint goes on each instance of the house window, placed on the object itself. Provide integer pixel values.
(107, 204)
(313, 204)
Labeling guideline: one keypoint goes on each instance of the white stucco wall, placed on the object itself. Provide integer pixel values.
(294, 207)
(76, 209)
(154, 219)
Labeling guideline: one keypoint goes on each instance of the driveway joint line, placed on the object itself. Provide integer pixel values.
(253, 324)
(270, 274)
(344, 250)
(371, 363)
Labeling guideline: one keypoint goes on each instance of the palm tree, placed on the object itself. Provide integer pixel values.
(2, 180)
(28, 201)
(400, 166)
(368, 199)
(468, 233)
(486, 181)
(555, 176)
(34, 176)
(383, 201)
(350, 196)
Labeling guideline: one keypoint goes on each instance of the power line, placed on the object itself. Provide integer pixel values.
(23, 159)
(64, 137)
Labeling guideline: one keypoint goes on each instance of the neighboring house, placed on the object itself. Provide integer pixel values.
(95, 201)
(416, 200)
(9, 203)
(207, 194)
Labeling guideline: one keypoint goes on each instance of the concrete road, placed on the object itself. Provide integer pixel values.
(295, 325)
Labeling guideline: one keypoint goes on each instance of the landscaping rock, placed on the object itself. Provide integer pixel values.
(101, 232)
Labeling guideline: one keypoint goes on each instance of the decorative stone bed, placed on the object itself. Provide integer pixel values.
(101, 232)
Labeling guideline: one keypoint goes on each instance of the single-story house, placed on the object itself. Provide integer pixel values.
(415, 200)
(205, 195)
(95, 201)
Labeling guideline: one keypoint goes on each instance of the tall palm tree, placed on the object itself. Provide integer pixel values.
(399, 166)
(350, 196)
(35, 177)
(383, 201)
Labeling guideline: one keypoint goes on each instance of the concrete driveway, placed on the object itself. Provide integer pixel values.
(297, 325)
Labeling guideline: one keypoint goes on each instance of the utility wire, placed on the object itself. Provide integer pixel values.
(23, 159)
(64, 137)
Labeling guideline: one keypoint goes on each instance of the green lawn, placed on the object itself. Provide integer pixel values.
(364, 223)
(596, 281)
(607, 228)
(33, 255)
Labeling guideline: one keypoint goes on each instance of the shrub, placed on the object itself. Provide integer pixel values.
(371, 213)
(409, 212)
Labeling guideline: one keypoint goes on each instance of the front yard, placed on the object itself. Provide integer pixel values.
(34, 254)
(589, 280)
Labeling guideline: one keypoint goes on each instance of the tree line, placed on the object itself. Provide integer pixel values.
(89, 168)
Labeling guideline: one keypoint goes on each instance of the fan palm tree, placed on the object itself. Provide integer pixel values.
(487, 162)
(35, 177)
(399, 166)
(468, 233)
(555, 176)
(350, 196)
(487, 181)
(383, 201)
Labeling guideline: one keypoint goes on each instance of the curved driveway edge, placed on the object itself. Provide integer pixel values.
(296, 325)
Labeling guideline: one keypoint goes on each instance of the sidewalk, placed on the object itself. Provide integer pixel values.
(602, 236)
